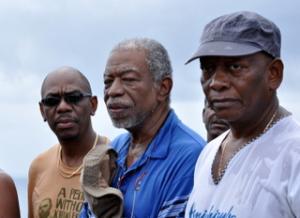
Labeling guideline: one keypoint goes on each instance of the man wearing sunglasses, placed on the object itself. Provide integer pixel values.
(67, 105)
(157, 155)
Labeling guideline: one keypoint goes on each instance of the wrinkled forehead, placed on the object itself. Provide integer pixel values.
(126, 60)
(60, 83)
(120, 69)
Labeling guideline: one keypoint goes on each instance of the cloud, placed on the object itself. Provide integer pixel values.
(39, 36)
(23, 129)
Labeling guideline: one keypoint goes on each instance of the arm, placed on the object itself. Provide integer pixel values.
(293, 188)
(31, 184)
(179, 185)
(9, 203)
(176, 198)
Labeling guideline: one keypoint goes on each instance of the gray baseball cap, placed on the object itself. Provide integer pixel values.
(237, 34)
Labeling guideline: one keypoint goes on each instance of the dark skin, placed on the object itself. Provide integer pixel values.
(9, 203)
(242, 91)
(71, 123)
(127, 79)
(214, 125)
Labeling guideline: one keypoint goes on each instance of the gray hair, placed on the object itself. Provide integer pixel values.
(157, 56)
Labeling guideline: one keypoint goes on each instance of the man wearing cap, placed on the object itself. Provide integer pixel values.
(252, 170)
(158, 154)
(67, 106)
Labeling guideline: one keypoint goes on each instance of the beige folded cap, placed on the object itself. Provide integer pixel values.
(99, 167)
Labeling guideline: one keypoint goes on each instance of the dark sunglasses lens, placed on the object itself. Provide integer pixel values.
(51, 101)
(73, 98)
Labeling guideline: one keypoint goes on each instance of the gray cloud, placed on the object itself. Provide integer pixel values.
(39, 36)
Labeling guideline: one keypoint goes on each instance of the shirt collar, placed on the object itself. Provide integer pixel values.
(159, 146)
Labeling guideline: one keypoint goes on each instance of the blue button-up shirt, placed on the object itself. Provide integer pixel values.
(159, 183)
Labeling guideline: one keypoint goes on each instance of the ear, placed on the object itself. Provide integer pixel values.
(94, 104)
(275, 75)
(42, 111)
(165, 88)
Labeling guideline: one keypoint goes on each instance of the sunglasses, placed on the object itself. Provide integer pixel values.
(70, 98)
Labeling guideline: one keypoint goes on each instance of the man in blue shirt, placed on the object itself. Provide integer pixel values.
(158, 154)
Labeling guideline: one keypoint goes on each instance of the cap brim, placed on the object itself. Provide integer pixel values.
(101, 192)
(219, 48)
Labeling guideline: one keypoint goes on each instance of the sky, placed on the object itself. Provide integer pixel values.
(40, 36)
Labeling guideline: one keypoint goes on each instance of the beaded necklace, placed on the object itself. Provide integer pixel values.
(220, 171)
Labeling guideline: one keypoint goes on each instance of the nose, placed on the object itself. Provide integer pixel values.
(63, 106)
(115, 89)
(220, 80)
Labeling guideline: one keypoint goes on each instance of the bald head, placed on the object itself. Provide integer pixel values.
(66, 73)
(67, 104)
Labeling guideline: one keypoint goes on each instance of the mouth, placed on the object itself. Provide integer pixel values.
(218, 104)
(116, 110)
(221, 125)
(65, 122)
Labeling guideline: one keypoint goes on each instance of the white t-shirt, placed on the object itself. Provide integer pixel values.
(261, 181)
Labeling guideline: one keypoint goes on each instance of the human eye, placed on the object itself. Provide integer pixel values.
(73, 97)
(51, 101)
(107, 82)
(129, 79)
(235, 67)
(207, 70)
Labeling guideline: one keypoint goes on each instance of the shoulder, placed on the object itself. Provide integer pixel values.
(7, 184)
(292, 127)
(120, 141)
(43, 159)
(213, 145)
(286, 137)
(284, 140)
(185, 147)
(9, 206)
(185, 139)
(285, 133)
(46, 155)
(287, 123)
(5, 180)
(209, 151)
(184, 134)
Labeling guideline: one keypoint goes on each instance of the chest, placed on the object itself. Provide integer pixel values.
(253, 184)
(141, 185)
(57, 197)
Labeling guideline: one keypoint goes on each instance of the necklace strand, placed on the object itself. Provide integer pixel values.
(221, 171)
(65, 173)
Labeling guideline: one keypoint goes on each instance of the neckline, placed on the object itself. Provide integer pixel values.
(67, 171)
(269, 126)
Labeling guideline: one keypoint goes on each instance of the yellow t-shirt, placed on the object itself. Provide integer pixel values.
(51, 193)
